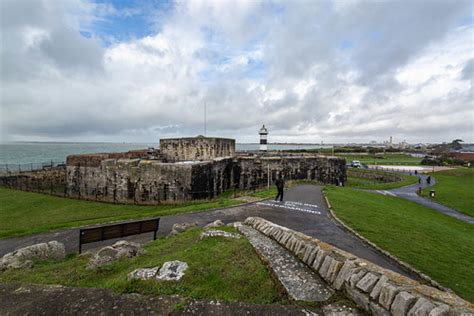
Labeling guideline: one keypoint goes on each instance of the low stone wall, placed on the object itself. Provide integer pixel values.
(51, 181)
(377, 290)
(382, 177)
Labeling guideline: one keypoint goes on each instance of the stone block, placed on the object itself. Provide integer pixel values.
(323, 270)
(367, 283)
(441, 310)
(378, 310)
(312, 255)
(344, 274)
(378, 287)
(356, 277)
(358, 297)
(422, 307)
(402, 303)
(333, 271)
(387, 294)
(301, 251)
(319, 259)
(307, 252)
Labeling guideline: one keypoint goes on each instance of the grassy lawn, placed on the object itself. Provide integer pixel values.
(436, 244)
(454, 188)
(373, 184)
(219, 268)
(383, 159)
(23, 213)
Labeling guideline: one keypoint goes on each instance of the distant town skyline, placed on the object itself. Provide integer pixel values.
(311, 71)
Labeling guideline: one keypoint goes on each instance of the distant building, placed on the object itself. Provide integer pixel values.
(263, 138)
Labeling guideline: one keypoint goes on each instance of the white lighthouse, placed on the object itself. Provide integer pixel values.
(263, 138)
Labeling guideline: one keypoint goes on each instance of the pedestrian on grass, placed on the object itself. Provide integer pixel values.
(416, 172)
(428, 180)
(419, 180)
(280, 184)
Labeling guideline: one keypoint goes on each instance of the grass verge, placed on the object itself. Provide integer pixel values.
(383, 159)
(24, 213)
(219, 268)
(374, 184)
(454, 189)
(433, 243)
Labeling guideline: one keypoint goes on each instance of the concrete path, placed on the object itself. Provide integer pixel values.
(308, 214)
(409, 193)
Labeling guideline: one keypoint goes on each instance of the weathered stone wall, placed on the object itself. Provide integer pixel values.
(256, 171)
(196, 148)
(131, 181)
(151, 182)
(377, 290)
(51, 180)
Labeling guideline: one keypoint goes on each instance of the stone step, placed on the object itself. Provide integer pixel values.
(300, 282)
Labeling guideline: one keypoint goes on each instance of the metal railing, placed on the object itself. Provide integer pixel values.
(29, 167)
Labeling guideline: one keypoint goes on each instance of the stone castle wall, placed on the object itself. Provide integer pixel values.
(377, 290)
(152, 182)
(130, 181)
(196, 148)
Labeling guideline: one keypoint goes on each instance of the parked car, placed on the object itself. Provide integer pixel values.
(355, 164)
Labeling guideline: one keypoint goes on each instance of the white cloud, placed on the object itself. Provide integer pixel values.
(311, 71)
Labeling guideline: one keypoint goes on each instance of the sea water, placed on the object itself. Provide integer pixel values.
(44, 152)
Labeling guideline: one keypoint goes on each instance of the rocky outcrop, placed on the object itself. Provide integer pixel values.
(181, 227)
(216, 223)
(170, 271)
(377, 290)
(23, 258)
(119, 250)
(218, 233)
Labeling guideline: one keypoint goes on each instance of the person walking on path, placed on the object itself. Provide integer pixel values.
(280, 184)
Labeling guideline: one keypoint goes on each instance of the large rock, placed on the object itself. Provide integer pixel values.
(143, 273)
(121, 249)
(22, 258)
(216, 223)
(172, 271)
(181, 227)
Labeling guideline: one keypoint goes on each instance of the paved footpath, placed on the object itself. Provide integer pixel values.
(305, 211)
(409, 193)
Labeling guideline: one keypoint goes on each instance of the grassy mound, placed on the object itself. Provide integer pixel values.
(219, 268)
(436, 244)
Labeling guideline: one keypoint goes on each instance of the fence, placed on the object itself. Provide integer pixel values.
(29, 167)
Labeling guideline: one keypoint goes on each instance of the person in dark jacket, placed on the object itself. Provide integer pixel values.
(280, 184)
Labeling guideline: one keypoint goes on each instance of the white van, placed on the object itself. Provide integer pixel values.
(355, 164)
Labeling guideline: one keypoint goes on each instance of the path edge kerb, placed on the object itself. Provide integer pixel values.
(405, 265)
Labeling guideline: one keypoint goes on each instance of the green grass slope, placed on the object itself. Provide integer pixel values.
(219, 268)
(436, 244)
(455, 189)
(24, 213)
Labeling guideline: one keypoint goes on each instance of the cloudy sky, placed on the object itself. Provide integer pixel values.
(311, 70)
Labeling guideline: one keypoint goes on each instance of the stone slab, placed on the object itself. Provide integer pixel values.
(300, 282)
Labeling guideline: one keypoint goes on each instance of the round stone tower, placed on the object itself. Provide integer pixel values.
(263, 138)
